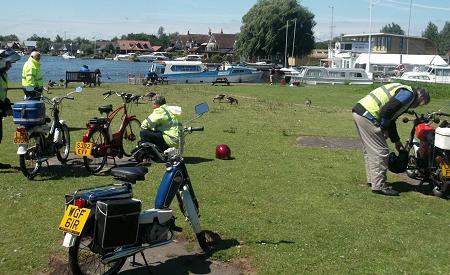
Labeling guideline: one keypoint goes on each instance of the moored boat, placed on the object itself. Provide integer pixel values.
(321, 75)
(68, 55)
(433, 74)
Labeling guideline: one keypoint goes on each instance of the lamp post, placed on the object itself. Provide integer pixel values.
(409, 24)
(331, 27)
(285, 50)
(370, 36)
(293, 40)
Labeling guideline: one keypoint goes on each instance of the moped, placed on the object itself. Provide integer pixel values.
(429, 151)
(104, 225)
(37, 140)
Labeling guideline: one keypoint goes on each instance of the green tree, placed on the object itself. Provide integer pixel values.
(110, 48)
(43, 44)
(58, 39)
(264, 27)
(392, 28)
(431, 32)
(8, 38)
(444, 45)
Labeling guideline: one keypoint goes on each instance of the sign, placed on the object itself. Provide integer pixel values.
(83, 149)
(74, 219)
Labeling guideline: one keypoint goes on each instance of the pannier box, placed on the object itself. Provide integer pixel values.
(29, 112)
(442, 138)
(117, 222)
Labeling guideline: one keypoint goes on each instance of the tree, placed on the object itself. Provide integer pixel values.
(9, 38)
(392, 28)
(264, 27)
(444, 45)
(58, 39)
(43, 44)
(431, 32)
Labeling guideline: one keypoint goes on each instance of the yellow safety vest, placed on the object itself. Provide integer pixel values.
(3, 86)
(165, 121)
(380, 96)
(31, 74)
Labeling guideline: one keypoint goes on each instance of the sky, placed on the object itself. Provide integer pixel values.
(104, 19)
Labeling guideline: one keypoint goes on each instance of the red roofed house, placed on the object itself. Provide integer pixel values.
(135, 46)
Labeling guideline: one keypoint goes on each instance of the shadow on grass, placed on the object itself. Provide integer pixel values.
(76, 128)
(188, 264)
(196, 160)
(403, 187)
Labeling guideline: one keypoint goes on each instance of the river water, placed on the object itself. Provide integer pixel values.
(55, 67)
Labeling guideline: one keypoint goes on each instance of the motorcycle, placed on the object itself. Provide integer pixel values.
(37, 140)
(429, 151)
(105, 225)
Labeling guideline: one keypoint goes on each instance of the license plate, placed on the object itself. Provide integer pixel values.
(74, 219)
(83, 149)
(20, 137)
(445, 168)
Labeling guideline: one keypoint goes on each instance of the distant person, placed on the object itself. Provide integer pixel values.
(98, 76)
(32, 81)
(152, 77)
(7, 57)
(84, 68)
(375, 116)
(272, 73)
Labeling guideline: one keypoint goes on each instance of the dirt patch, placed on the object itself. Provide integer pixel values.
(177, 258)
(329, 142)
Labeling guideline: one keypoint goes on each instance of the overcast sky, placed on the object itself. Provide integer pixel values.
(104, 19)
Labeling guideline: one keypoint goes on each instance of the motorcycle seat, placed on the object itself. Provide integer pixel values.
(105, 109)
(129, 174)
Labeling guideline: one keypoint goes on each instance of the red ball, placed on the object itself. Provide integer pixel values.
(223, 151)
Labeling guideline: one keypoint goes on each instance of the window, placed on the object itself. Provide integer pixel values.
(355, 75)
(314, 73)
(185, 68)
(334, 74)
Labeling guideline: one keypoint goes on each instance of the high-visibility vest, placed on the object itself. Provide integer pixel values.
(375, 100)
(3, 86)
(164, 120)
(31, 74)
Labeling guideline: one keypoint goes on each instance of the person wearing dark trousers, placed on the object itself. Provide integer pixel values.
(375, 116)
(7, 57)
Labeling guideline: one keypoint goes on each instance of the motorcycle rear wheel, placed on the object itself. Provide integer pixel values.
(95, 163)
(82, 260)
(29, 162)
(130, 136)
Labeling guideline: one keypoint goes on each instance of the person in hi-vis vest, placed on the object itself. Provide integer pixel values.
(375, 116)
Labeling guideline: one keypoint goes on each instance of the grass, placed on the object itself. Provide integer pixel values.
(293, 209)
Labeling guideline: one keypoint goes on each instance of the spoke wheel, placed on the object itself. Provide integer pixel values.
(130, 136)
(95, 163)
(30, 162)
(63, 144)
(82, 260)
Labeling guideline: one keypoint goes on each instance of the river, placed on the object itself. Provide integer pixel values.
(55, 67)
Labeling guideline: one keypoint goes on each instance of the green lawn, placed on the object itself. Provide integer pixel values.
(293, 209)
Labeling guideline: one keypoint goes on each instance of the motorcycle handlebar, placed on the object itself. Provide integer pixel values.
(194, 129)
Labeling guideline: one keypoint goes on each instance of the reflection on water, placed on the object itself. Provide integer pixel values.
(55, 67)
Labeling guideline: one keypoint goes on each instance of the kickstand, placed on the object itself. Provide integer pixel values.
(134, 263)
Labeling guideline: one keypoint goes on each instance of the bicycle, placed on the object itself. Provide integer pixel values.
(37, 141)
(99, 143)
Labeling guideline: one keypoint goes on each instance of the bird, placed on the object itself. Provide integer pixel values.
(231, 100)
(219, 97)
(308, 102)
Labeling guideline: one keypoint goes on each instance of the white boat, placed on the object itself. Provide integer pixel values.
(124, 57)
(321, 75)
(68, 55)
(433, 74)
(261, 65)
(197, 72)
(152, 57)
(190, 57)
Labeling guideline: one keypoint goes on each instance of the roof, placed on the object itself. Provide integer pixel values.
(394, 59)
(134, 45)
(225, 40)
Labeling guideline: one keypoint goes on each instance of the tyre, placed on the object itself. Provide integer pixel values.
(63, 144)
(191, 213)
(30, 162)
(95, 162)
(130, 136)
(82, 260)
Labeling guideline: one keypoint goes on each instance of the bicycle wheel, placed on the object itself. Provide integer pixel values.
(191, 213)
(130, 136)
(30, 162)
(63, 143)
(96, 161)
(82, 260)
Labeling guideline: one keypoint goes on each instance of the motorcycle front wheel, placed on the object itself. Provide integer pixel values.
(130, 136)
(30, 162)
(191, 213)
(82, 260)
(63, 144)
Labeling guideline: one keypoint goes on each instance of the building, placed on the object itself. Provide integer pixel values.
(208, 44)
(133, 46)
(347, 51)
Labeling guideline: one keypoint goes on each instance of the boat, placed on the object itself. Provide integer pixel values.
(124, 57)
(68, 55)
(262, 65)
(322, 75)
(197, 72)
(431, 73)
(152, 57)
(190, 57)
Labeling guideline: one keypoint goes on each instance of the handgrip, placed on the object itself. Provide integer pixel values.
(193, 129)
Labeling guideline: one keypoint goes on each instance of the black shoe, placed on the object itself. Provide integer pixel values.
(386, 191)
(4, 166)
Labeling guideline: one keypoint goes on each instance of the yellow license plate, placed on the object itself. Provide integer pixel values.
(445, 168)
(74, 219)
(83, 149)
(20, 137)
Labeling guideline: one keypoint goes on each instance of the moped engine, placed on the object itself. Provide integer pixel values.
(153, 233)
